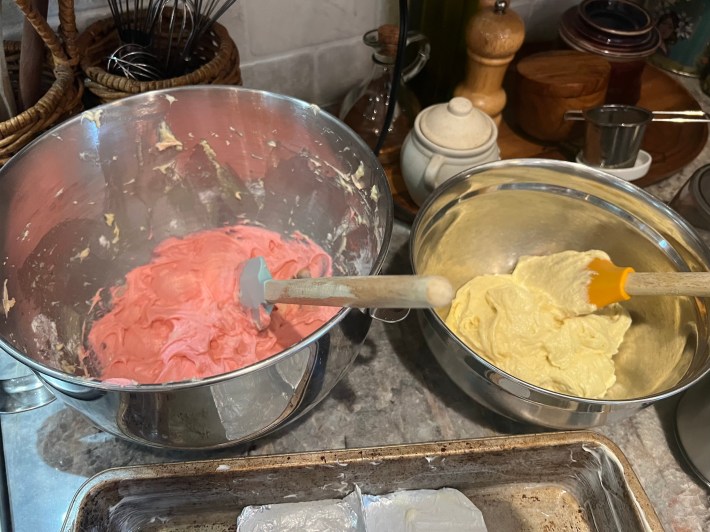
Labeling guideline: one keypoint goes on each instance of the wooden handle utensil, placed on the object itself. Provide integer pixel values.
(378, 291)
(612, 284)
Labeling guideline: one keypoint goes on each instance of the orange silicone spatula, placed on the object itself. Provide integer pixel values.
(611, 283)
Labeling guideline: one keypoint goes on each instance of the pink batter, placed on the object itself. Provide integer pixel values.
(179, 318)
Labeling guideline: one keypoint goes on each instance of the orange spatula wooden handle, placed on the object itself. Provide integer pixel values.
(611, 283)
(670, 284)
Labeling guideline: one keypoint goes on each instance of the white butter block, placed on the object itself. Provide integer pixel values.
(328, 515)
(443, 510)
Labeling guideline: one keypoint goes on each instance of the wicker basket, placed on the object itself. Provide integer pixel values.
(217, 53)
(63, 88)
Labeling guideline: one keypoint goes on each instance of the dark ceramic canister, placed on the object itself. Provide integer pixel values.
(622, 32)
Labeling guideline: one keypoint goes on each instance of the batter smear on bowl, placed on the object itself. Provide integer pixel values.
(179, 318)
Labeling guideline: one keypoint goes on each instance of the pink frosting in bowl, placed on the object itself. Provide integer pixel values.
(178, 317)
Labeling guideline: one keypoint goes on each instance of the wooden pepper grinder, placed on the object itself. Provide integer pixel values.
(493, 36)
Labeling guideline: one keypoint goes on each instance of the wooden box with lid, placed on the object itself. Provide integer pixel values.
(550, 83)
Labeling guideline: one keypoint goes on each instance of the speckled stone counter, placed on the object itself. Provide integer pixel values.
(394, 393)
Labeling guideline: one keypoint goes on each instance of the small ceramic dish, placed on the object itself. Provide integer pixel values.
(637, 171)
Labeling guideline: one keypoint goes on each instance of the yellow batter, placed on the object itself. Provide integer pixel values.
(537, 324)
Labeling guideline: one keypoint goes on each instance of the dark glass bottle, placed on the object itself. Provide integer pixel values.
(443, 22)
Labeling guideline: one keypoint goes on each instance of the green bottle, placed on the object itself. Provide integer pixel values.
(443, 22)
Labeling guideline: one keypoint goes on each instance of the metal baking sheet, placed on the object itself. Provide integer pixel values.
(553, 481)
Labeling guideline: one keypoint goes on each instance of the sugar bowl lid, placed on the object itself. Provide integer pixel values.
(456, 125)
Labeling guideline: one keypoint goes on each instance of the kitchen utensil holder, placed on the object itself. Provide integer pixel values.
(64, 90)
(219, 55)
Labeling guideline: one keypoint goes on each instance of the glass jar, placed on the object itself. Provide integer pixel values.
(365, 105)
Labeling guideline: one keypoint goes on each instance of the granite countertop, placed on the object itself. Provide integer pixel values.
(394, 393)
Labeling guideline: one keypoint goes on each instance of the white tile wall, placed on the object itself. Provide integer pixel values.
(310, 49)
(280, 27)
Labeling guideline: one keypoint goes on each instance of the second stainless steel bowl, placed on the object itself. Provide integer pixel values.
(482, 220)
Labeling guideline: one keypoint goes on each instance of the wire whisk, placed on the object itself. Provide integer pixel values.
(174, 29)
(135, 62)
(206, 14)
(134, 20)
(159, 37)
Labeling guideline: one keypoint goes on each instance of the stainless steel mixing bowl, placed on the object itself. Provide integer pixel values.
(484, 219)
(89, 200)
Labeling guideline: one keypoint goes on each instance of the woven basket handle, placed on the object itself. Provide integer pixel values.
(67, 29)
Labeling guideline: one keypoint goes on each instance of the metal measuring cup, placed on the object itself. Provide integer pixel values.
(613, 134)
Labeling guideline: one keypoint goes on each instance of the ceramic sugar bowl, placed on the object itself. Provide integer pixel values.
(446, 139)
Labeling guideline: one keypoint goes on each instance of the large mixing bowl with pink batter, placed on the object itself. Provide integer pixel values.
(90, 200)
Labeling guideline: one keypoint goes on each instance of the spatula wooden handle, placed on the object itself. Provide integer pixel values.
(379, 291)
(668, 283)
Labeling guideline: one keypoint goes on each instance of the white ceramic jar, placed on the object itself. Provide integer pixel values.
(446, 139)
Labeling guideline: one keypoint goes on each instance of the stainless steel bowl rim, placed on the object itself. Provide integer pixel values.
(590, 173)
(93, 383)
